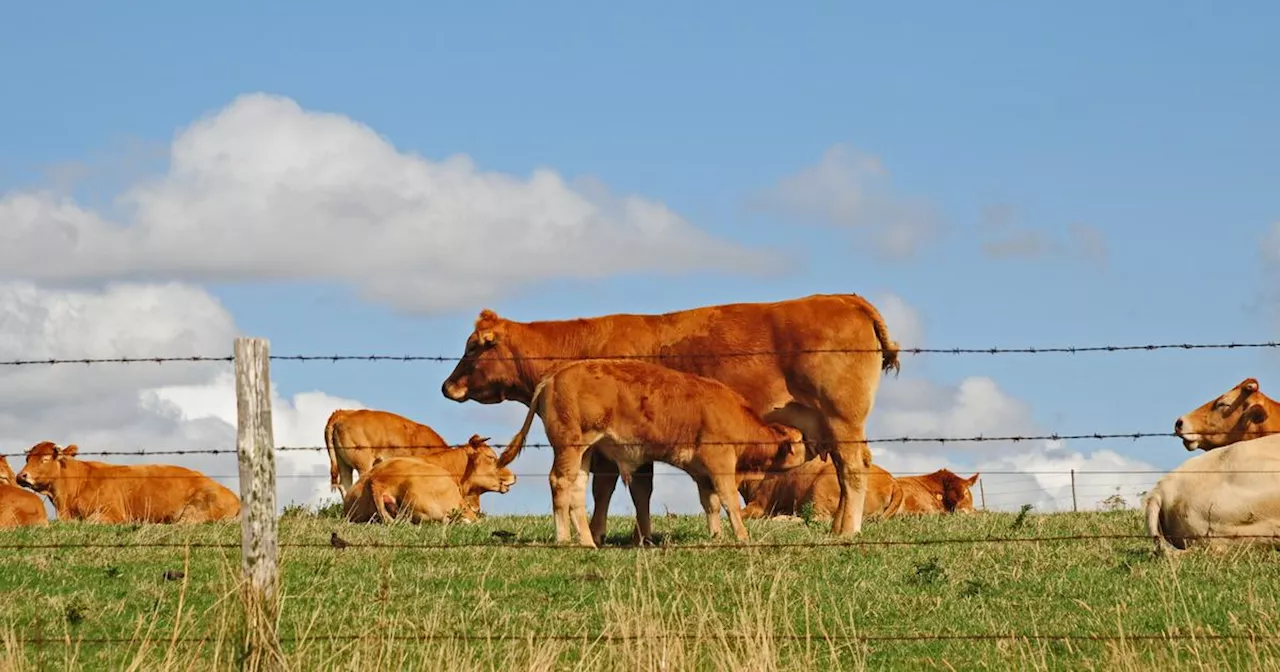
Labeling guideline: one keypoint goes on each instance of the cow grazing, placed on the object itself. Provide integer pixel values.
(815, 481)
(355, 437)
(428, 486)
(117, 493)
(18, 507)
(1241, 413)
(637, 413)
(1218, 494)
(812, 363)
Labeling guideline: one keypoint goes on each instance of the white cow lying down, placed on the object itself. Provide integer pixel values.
(1220, 493)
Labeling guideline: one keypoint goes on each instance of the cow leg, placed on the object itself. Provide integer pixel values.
(641, 495)
(852, 460)
(344, 476)
(569, 492)
(604, 479)
(727, 494)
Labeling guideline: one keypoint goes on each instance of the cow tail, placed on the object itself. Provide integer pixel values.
(330, 439)
(517, 442)
(888, 346)
(896, 498)
(1153, 503)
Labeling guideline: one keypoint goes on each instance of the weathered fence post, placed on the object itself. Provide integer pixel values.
(255, 447)
(982, 491)
(1073, 492)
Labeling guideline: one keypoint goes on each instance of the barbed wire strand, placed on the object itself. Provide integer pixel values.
(1150, 347)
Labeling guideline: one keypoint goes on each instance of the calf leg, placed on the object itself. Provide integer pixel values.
(728, 494)
(711, 505)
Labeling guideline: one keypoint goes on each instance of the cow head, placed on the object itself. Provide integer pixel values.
(1237, 415)
(6, 472)
(45, 462)
(487, 372)
(956, 496)
(483, 472)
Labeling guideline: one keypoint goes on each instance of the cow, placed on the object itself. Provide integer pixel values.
(813, 363)
(815, 481)
(18, 507)
(1218, 494)
(638, 413)
(428, 486)
(939, 492)
(355, 437)
(118, 493)
(1241, 413)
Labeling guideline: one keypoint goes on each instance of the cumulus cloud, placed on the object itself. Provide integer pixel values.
(850, 189)
(141, 407)
(264, 189)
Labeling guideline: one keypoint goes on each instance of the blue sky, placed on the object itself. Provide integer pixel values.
(1009, 128)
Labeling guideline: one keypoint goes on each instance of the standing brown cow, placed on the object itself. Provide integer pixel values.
(355, 437)
(18, 507)
(812, 363)
(124, 493)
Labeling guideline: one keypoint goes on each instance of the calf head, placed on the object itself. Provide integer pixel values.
(487, 372)
(45, 463)
(956, 496)
(483, 473)
(1237, 415)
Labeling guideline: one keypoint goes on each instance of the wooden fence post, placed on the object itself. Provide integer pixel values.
(1073, 492)
(982, 491)
(255, 447)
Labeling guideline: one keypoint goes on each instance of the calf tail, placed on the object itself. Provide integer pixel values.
(385, 503)
(896, 500)
(888, 347)
(517, 442)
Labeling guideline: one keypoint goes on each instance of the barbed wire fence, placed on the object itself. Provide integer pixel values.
(260, 545)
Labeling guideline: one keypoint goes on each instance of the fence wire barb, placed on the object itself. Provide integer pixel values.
(1150, 347)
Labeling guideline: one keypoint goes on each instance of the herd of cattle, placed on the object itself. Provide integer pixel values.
(763, 401)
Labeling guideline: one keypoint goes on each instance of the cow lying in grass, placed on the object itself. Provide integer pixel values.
(18, 507)
(120, 493)
(354, 438)
(1231, 491)
(428, 487)
(636, 413)
(784, 493)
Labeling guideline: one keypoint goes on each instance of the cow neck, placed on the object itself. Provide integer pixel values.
(541, 339)
(68, 486)
(448, 460)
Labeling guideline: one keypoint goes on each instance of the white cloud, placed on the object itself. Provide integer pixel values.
(848, 188)
(1010, 242)
(1034, 472)
(264, 189)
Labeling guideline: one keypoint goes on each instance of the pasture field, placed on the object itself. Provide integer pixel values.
(684, 605)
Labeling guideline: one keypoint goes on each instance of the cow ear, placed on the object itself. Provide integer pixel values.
(972, 479)
(477, 441)
(1249, 386)
(69, 451)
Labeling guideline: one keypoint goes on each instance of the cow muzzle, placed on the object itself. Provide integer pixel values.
(453, 391)
(24, 481)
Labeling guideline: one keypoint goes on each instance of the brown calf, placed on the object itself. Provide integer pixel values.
(355, 437)
(116, 493)
(637, 413)
(784, 493)
(428, 486)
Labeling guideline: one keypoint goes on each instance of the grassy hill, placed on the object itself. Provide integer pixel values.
(458, 597)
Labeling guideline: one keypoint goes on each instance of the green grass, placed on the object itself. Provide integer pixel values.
(734, 606)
